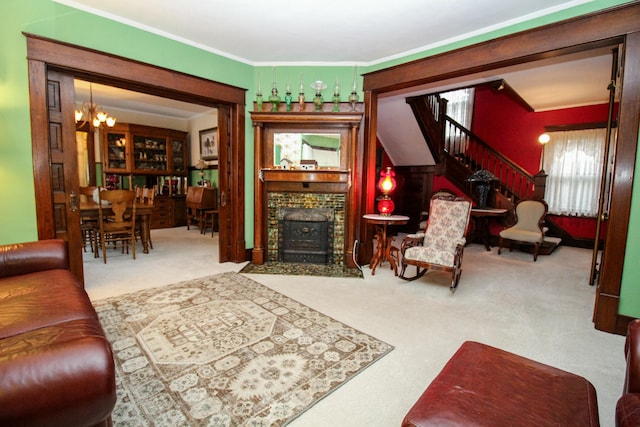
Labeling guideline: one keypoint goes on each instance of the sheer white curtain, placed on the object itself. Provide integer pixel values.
(573, 162)
(460, 105)
(460, 109)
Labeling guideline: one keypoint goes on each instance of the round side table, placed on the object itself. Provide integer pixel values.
(384, 244)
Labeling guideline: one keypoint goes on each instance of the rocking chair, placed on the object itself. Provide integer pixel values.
(441, 246)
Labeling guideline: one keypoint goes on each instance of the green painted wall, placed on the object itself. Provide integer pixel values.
(49, 19)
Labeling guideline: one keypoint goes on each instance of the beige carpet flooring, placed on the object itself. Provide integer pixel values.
(539, 310)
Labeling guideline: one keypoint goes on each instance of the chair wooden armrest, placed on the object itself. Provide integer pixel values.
(441, 246)
(411, 240)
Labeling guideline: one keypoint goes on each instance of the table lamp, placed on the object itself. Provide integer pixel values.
(386, 185)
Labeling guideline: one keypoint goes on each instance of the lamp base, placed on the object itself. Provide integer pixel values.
(386, 206)
(483, 192)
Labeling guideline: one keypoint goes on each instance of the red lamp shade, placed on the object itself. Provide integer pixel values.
(386, 206)
(387, 182)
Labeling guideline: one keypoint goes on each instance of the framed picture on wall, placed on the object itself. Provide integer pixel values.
(209, 144)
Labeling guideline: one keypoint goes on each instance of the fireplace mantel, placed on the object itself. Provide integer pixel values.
(275, 175)
(280, 186)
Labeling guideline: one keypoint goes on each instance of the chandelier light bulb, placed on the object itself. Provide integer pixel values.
(102, 116)
(93, 114)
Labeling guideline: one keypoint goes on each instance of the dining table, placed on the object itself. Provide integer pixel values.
(91, 209)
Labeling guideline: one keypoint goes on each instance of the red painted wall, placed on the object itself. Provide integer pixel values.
(442, 183)
(508, 127)
(511, 129)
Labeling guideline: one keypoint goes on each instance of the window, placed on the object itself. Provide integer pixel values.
(460, 109)
(573, 161)
(460, 105)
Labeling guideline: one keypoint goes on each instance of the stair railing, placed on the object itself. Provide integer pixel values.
(515, 183)
(448, 139)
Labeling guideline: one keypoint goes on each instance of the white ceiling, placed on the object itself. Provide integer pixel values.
(338, 32)
(274, 32)
(110, 98)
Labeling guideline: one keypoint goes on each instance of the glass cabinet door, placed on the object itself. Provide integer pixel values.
(116, 153)
(177, 156)
(149, 154)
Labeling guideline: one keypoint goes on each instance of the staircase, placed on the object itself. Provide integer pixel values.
(459, 153)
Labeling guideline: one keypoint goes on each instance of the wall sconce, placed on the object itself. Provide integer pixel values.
(386, 184)
(543, 139)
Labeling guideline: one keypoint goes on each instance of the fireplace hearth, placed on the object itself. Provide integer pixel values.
(305, 235)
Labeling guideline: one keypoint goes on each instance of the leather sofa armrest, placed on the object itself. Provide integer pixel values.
(30, 257)
(632, 354)
(628, 410)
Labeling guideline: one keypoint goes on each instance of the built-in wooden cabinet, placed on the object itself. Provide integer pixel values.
(158, 154)
(168, 212)
(144, 150)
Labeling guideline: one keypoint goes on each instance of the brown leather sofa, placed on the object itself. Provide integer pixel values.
(56, 365)
(628, 407)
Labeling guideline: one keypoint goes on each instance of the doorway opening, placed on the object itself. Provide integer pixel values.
(55, 214)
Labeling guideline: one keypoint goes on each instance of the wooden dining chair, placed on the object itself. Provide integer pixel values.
(89, 225)
(117, 220)
(144, 196)
(199, 200)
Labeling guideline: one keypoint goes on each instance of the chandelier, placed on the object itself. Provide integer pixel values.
(93, 114)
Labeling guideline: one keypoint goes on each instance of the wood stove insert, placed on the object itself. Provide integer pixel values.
(305, 235)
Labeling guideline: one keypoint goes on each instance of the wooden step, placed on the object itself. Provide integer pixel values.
(546, 248)
(549, 245)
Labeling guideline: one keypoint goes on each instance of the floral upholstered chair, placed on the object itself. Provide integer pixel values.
(441, 245)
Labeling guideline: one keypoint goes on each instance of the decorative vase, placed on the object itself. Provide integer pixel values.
(274, 99)
(482, 188)
(336, 98)
(301, 95)
(353, 100)
(319, 86)
(287, 99)
(259, 94)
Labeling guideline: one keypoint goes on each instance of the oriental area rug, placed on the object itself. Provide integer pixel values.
(226, 351)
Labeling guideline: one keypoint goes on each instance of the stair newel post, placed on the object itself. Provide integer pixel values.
(539, 185)
(441, 121)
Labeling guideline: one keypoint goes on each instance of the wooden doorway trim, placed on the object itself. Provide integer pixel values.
(104, 68)
(619, 25)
